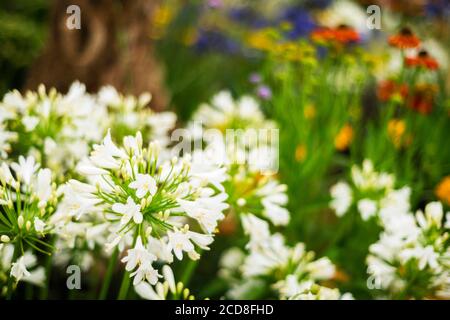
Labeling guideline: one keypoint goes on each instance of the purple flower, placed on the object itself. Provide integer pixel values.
(255, 78)
(215, 3)
(264, 92)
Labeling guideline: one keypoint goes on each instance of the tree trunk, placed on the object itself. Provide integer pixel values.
(111, 47)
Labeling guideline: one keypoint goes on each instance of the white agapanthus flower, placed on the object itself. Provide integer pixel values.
(58, 128)
(372, 193)
(412, 261)
(160, 208)
(293, 270)
(164, 290)
(128, 114)
(315, 292)
(23, 269)
(225, 112)
(28, 198)
(6, 138)
(232, 132)
(342, 198)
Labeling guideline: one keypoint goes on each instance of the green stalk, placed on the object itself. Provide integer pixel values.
(11, 278)
(107, 280)
(48, 266)
(124, 287)
(188, 271)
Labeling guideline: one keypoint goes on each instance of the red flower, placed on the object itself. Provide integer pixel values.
(342, 34)
(322, 35)
(388, 88)
(405, 39)
(345, 34)
(423, 59)
(422, 99)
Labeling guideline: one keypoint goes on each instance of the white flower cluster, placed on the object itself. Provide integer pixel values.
(23, 269)
(164, 290)
(225, 113)
(372, 192)
(58, 129)
(55, 128)
(28, 197)
(154, 205)
(129, 114)
(292, 271)
(237, 142)
(412, 257)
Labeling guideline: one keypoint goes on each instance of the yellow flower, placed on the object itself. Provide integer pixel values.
(344, 138)
(295, 51)
(442, 190)
(190, 36)
(396, 129)
(397, 133)
(263, 39)
(309, 112)
(161, 17)
(300, 153)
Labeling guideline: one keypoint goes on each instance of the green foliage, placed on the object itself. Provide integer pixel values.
(22, 36)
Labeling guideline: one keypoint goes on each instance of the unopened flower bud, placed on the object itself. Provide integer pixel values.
(5, 238)
(241, 202)
(180, 286)
(186, 293)
(20, 222)
(148, 231)
(315, 289)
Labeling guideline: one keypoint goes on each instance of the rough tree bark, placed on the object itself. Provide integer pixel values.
(112, 47)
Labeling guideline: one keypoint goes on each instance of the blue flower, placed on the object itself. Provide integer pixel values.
(213, 40)
(248, 17)
(301, 22)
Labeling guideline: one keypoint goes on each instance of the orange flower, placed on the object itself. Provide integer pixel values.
(300, 153)
(344, 138)
(342, 34)
(322, 35)
(345, 34)
(388, 88)
(442, 190)
(396, 129)
(422, 99)
(405, 39)
(423, 59)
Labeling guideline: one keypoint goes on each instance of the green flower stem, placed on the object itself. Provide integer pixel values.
(48, 267)
(124, 287)
(189, 271)
(29, 292)
(16, 254)
(109, 271)
(343, 229)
